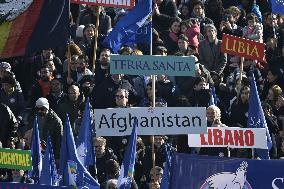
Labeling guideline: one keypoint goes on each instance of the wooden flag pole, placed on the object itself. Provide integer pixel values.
(241, 70)
(69, 60)
(98, 10)
(153, 105)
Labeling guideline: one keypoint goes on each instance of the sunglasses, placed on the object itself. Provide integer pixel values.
(120, 96)
(40, 109)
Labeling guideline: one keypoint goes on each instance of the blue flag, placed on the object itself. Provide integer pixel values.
(209, 172)
(165, 184)
(84, 143)
(49, 174)
(128, 26)
(256, 118)
(143, 34)
(71, 169)
(277, 6)
(36, 153)
(127, 167)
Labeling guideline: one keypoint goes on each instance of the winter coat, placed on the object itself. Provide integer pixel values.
(8, 126)
(101, 163)
(53, 127)
(211, 56)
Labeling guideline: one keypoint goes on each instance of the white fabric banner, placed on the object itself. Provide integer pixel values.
(233, 137)
(151, 121)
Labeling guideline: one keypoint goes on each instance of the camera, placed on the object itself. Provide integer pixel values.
(194, 20)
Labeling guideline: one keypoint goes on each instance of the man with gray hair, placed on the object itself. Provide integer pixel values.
(210, 51)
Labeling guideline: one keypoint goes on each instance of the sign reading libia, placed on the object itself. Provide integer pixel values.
(152, 65)
(151, 121)
(15, 159)
(243, 47)
(107, 3)
(233, 137)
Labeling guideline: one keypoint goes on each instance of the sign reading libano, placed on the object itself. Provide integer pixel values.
(242, 47)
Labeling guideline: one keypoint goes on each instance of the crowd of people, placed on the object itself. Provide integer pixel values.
(56, 82)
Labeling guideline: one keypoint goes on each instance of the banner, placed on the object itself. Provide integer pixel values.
(151, 121)
(107, 3)
(152, 65)
(7, 185)
(23, 23)
(243, 47)
(233, 137)
(204, 172)
(15, 159)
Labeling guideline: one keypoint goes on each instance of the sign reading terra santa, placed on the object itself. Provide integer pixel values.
(242, 47)
(152, 65)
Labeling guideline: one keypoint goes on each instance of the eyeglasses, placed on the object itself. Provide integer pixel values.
(120, 96)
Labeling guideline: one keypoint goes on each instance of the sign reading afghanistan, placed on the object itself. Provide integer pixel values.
(15, 159)
(152, 65)
(151, 121)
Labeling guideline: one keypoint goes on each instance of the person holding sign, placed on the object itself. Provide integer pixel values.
(213, 115)
(210, 51)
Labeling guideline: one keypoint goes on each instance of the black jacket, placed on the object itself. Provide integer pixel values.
(8, 126)
(101, 163)
(168, 11)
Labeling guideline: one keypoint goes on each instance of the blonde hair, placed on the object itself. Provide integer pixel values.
(100, 139)
(235, 10)
(216, 110)
(136, 52)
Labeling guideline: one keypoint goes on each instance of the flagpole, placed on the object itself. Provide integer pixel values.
(252, 153)
(68, 50)
(98, 9)
(153, 96)
(229, 152)
(69, 59)
(274, 31)
(241, 70)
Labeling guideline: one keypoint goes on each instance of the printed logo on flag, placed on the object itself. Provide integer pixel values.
(82, 151)
(72, 170)
(281, 2)
(11, 9)
(229, 180)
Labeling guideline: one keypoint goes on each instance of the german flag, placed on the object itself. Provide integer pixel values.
(44, 24)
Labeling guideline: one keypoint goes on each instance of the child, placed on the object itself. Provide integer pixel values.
(254, 30)
(191, 29)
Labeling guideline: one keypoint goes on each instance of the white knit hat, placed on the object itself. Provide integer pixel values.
(42, 102)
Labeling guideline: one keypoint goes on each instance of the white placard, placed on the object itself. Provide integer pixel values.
(233, 137)
(151, 121)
